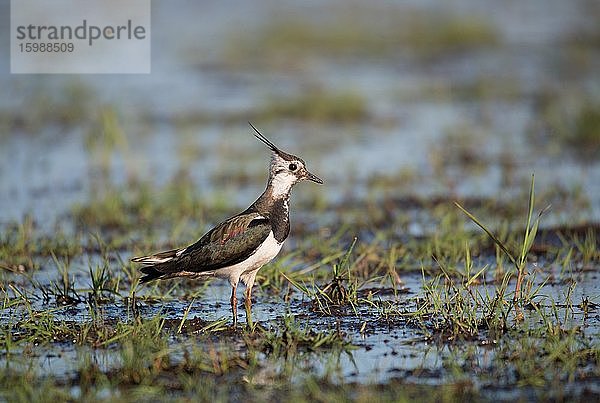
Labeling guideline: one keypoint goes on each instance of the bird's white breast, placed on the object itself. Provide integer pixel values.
(263, 255)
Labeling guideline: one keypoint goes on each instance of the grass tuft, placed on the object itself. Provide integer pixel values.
(519, 260)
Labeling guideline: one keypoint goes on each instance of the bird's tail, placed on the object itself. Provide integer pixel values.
(150, 274)
(151, 263)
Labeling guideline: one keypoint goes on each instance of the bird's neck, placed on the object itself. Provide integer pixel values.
(275, 203)
(274, 196)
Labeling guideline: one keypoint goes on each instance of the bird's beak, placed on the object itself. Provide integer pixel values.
(312, 177)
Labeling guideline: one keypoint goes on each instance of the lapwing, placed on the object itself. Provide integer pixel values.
(238, 247)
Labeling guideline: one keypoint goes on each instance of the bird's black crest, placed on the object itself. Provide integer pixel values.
(273, 147)
(265, 140)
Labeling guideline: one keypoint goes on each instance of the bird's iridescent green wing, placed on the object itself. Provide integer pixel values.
(228, 243)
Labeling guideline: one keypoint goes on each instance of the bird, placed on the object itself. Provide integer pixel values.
(238, 247)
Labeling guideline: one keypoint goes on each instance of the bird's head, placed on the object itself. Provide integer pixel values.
(285, 169)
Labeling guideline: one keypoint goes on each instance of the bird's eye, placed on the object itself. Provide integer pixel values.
(293, 167)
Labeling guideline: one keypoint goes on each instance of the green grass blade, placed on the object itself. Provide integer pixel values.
(528, 236)
(472, 279)
(185, 315)
(489, 233)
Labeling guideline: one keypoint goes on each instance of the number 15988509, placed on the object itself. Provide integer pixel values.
(34, 47)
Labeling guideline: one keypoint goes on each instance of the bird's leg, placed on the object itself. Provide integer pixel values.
(234, 304)
(249, 281)
(248, 304)
(248, 297)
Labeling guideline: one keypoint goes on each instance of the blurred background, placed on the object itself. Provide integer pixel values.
(383, 99)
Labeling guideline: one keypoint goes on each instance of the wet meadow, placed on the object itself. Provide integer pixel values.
(453, 253)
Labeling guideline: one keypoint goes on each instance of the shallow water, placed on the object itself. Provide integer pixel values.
(457, 125)
(385, 349)
(412, 106)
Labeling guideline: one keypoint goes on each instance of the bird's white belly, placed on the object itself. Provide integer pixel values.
(263, 255)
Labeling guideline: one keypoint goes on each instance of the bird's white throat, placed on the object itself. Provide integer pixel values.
(282, 184)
